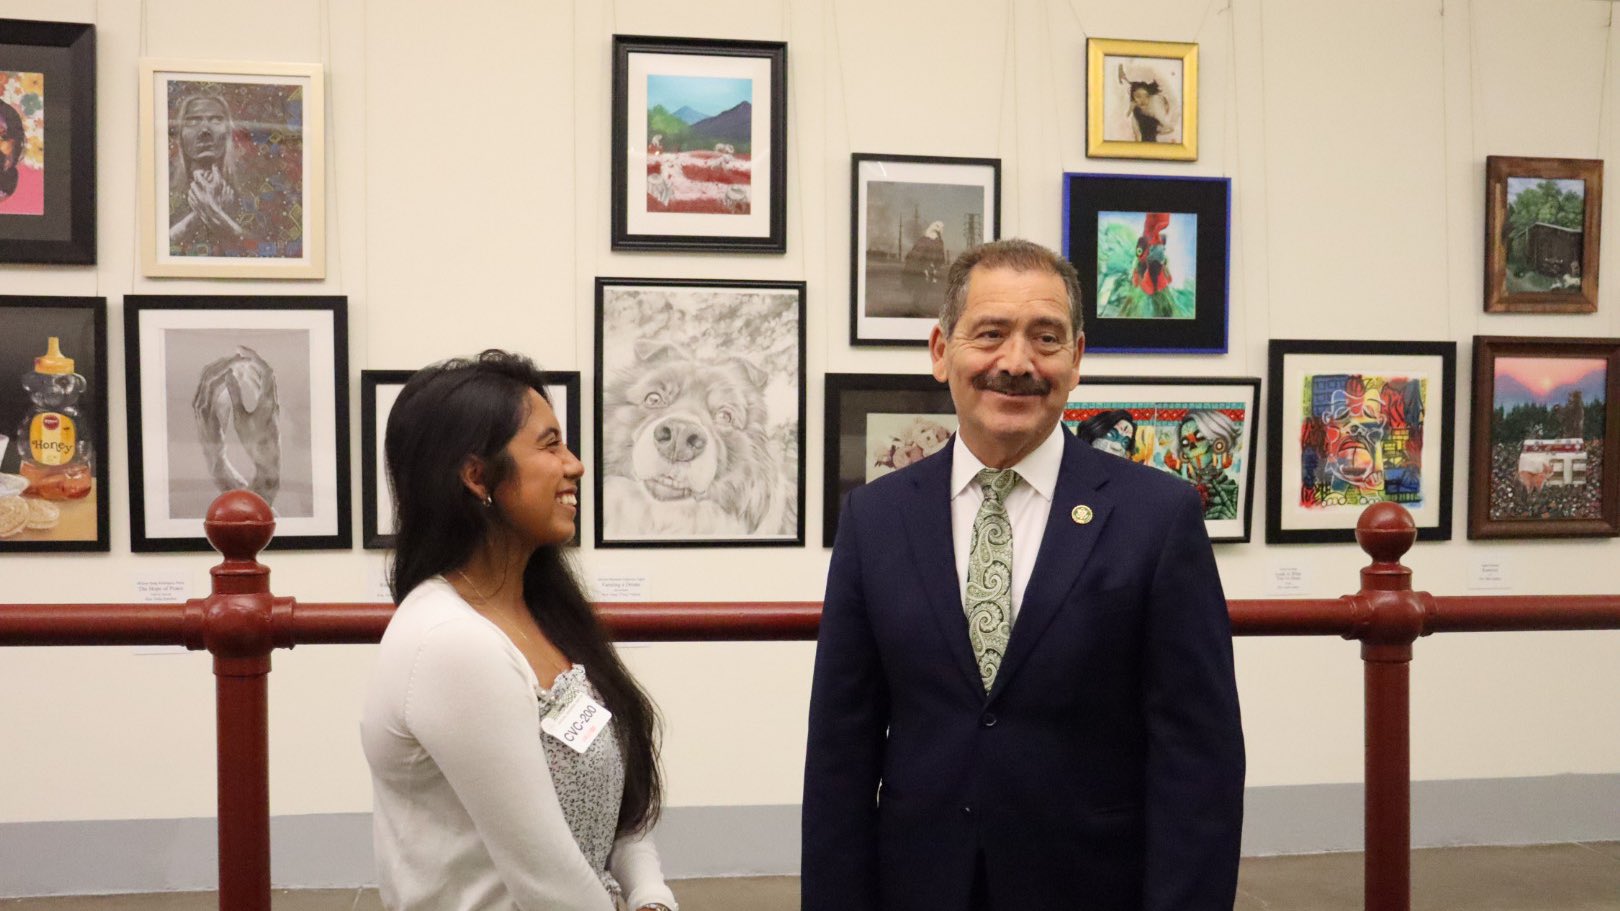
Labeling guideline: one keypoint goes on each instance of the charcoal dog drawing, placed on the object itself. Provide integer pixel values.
(699, 415)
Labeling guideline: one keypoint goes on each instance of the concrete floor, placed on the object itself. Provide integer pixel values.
(1564, 877)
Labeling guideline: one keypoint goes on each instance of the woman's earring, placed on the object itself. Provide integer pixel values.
(488, 501)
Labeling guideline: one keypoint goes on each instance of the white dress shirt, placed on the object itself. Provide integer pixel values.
(1028, 506)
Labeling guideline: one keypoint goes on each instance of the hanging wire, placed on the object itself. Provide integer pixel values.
(1018, 136)
(843, 77)
(1006, 68)
(1265, 136)
(797, 143)
(1603, 89)
(1445, 162)
(135, 241)
(365, 172)
(323, 15)
(1474, 118)
(1052, 66)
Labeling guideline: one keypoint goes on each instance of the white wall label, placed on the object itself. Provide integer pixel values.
(377, 582)
(1489, 574)
(620, 588)
(161, 588)
(1288, 582)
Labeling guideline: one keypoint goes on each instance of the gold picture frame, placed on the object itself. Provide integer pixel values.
(251, 136)
(1161, 123)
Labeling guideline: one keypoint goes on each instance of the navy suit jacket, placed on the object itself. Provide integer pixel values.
(1104, 769)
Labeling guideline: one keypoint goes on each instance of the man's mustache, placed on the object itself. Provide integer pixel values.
(1009, 384)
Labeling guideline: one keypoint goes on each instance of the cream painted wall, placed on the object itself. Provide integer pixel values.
(468, 185)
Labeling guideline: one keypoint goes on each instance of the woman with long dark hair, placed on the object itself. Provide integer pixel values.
(513, 758)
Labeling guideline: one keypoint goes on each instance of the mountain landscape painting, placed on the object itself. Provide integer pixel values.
(699, 144)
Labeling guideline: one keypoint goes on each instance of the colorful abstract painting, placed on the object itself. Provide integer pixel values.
(1547, 430)
(1199, 442)
(236, 169)
(699, 144)
(22, 143)
(1361, 440)
(1147, 265)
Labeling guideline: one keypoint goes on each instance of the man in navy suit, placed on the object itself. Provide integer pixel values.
(1024, 696)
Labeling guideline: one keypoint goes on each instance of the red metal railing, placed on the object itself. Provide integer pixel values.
(241, 623)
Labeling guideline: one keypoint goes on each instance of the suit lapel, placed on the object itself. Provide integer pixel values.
(928, 524)
(1064, 550)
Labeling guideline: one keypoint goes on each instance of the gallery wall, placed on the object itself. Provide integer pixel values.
(467, 206)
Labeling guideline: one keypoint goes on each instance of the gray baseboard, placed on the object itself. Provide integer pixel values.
(334, 850)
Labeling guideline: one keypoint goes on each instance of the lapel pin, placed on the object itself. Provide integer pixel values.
(1081, 515)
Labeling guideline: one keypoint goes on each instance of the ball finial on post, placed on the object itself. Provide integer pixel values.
(1386, 532)
(239, 525)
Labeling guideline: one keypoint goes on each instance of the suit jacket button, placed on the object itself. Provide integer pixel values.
(988, 720)
(967, 811)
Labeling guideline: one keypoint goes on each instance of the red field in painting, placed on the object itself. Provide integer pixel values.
(709, 183)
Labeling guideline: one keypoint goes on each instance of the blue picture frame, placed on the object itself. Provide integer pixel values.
(1154, 257)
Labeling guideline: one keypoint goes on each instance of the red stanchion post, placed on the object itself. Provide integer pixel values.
(1389, 618)
(236, 624)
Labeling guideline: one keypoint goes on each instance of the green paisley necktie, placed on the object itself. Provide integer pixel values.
(989, 581)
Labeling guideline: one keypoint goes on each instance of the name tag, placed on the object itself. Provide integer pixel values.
(576, 722)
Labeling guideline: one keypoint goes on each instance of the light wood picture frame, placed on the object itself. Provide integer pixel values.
(232, 169)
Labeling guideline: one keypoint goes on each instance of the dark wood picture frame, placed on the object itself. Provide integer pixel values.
(866, 328)
(1172, 398)
(655, 370)
(1365, 427)
(373, 479)
(1551, 462)
(260, 319)
(635, 226)
(64, 54)
(1087, 198)
(1545, 242)
(851, 398)
(30, 322)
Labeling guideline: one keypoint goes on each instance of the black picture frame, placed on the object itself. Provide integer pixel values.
(63, 229)
(713, 362)
(168, 339)
(956, 187)
(1544, 486)
(1116, 308)
(1226, 414)
(637, 224)
(851, 455)
(1359, 448)
(80, 325)
(376, 519)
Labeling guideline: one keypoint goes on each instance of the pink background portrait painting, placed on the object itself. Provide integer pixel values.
(25, 93)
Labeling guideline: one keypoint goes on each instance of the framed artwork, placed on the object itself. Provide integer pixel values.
(1153, 256)
(53, 424)
(1541, 461)
(1542, 221)
(1141, 99)
(232, 164)
(1200, 429)
(1356, 423)
(699, 145)
(47, 142)
(699, 413)
(910, 217)
(378, 390)
(237, 392)
(878, 423)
